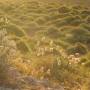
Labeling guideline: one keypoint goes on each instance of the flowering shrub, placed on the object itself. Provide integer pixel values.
(8, 52)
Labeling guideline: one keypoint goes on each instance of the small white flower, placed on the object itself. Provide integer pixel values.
(38, 54)
(43, 38)
(51, 42)
(46, 48)
(48, 71)
(59, 62)
(83, 63)
(51, 49)
(38, 43)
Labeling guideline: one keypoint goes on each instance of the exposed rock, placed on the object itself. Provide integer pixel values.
(3, 88)
(42, 84)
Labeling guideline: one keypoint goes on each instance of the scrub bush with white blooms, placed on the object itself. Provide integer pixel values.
(8, 52)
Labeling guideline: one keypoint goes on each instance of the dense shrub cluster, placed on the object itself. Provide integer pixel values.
(78, 48)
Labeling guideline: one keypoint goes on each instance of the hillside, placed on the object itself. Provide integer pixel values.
(45, 45)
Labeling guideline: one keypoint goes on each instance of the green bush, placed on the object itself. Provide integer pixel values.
(87, 64)
(78, 48)
(22, 47)
(40, 21)
(83, 60)
(75, 12)
(79, 35)
(53, 33)
(64, 9)
(85, 13)
(14, 30)
(73, 20)
(88, 20)
(76, 7)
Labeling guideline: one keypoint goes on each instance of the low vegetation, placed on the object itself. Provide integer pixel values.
(44, 46)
